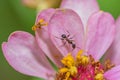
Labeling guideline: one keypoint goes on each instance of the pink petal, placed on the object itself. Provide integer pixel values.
(83, 7)
(45, 14)
(23, 54)
(113, 74)
(113, 52)
(100, 34)
(66, 22)
(43, 38)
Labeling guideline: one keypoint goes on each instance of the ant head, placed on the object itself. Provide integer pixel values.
(63, 36)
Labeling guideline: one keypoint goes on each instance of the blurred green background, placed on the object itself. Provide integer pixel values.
(15, 16)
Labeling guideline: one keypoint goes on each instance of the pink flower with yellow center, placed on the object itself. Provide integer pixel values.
(73, 40)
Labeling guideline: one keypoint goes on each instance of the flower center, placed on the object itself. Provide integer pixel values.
(39, 25)
(82, 67)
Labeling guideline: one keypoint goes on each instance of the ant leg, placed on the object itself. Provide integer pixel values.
(72, 50)
(58, 38)
(73, 36)
(63, 44)
(78, 47)
(68, 33)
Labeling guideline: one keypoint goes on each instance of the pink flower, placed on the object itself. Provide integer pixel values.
(75, 45)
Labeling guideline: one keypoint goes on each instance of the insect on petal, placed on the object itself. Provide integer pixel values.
(66, 22)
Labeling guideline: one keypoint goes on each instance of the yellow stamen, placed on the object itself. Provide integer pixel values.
(99, 76)
(68, 60)
(73, 70)
(79, 54)
(34, 28)
(39, 25)
(67, 76)
(63, 70)
(75, 67)
(84, 60)
(70, 68)
(108, 65)
(41, 20)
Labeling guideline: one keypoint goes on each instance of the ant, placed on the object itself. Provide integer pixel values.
(66, 37)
